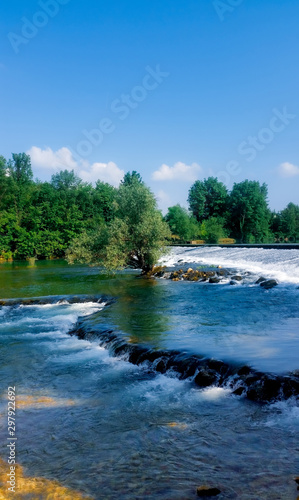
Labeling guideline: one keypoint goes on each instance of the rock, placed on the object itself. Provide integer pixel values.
(233, 282)
(205, 377)
(214, 280)
(265, 389)
(268, 284)
(223, 272)
(260, 280)
(207, 491)
(239, 391)
(244, 370)
(237, 278)
(296, 479)
(190, 270)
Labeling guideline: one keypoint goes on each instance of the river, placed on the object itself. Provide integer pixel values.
(90, 424)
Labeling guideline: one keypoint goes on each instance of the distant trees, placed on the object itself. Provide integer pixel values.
(122, 226)
(242, 214)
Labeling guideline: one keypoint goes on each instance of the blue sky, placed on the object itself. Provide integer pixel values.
(176, 90)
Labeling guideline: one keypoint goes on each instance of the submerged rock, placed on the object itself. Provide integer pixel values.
(214, 279)
(260, 280)
(269, 284)
(207, 491)
(237, 277)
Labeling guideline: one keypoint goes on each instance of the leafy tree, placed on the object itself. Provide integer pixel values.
(65, 180)
(135, 237)
(208, 198)
(19, 183)
(131, 178)
(249, 212)
(290, 222)
(19, 169)
(104, 200)
(182, 223)
(212, 229)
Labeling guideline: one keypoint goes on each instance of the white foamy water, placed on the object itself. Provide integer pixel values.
(282, 265)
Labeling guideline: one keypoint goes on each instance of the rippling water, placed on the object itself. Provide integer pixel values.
(108, 429)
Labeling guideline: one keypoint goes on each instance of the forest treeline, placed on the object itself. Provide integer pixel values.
(119, 225)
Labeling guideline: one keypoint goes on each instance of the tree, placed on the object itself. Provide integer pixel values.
(290, 222)
(19, 169)
(132, 178)
(20, 183)
(104, 200)
(65, 180)
(135, 237)
(181, 223)
(249, 212)
(212, 229)
(208, 198)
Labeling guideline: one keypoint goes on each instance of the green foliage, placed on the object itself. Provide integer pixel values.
(208, 198)
(131, 178)
(136, 236)
(181, 223)
(285, 224)
(212, 229)
(249, 212)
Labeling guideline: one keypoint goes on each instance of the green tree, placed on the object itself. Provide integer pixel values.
(290, 222)
(182, 223)
(249, 212)
(19, 169)
(20, 183)
(132, 178)
(212, 229)
(208, 198)
(104, 198)
(135, 237)
(65, 180)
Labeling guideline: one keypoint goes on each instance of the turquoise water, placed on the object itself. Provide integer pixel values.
(116, 430)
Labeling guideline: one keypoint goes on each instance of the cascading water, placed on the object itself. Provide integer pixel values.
(94, 424)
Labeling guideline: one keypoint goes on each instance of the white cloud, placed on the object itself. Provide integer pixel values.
(288, 170)
(47, 161)
(179, 172)
(106, 172)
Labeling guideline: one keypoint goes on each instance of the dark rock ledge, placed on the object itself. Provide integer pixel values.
(56, 299)
(204, 372)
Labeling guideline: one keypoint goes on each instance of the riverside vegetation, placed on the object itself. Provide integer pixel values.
(119, 227)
